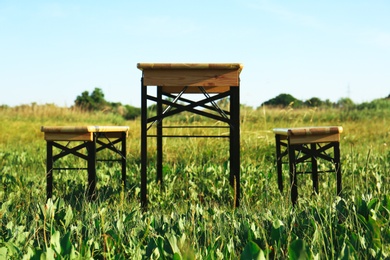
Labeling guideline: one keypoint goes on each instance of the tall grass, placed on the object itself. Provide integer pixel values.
(191, 215)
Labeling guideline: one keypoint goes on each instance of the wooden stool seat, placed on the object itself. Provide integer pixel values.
(80, 133)
(307, 143)
(93, 139)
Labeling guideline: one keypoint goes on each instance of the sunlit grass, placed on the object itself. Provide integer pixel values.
(191, 215)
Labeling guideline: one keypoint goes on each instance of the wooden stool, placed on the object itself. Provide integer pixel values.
(94, 139)
(306, 143)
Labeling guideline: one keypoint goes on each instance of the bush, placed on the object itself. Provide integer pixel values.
(284, 100)
(131, 112)
(95, 101)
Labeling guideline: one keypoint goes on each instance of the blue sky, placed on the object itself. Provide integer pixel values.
(52, 51)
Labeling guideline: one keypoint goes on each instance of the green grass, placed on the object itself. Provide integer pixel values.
(191, 215)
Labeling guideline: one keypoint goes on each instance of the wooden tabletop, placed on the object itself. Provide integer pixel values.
(190, 66)
(83, 129)
(311, 130)
(196, 77)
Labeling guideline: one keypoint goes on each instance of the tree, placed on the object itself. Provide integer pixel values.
(345, 103)
(131, 112)
(284, 100)
(314, 102)
(95, 101)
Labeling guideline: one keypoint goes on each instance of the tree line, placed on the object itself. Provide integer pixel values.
(287, 100)
(95, 101)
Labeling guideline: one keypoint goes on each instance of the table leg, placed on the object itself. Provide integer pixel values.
(235, 143)
(144, 201)
(159, 168)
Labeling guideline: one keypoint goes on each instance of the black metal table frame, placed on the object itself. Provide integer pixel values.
(300, 153)
(231, 117)
(92, 148)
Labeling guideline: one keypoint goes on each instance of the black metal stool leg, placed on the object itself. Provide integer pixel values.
(279, 163)
(91, 147)
(293, 174)
(123, 159)
(49, 169)
(337, 166)
(314, 167)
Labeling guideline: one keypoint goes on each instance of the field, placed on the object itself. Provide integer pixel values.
(191, 215)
